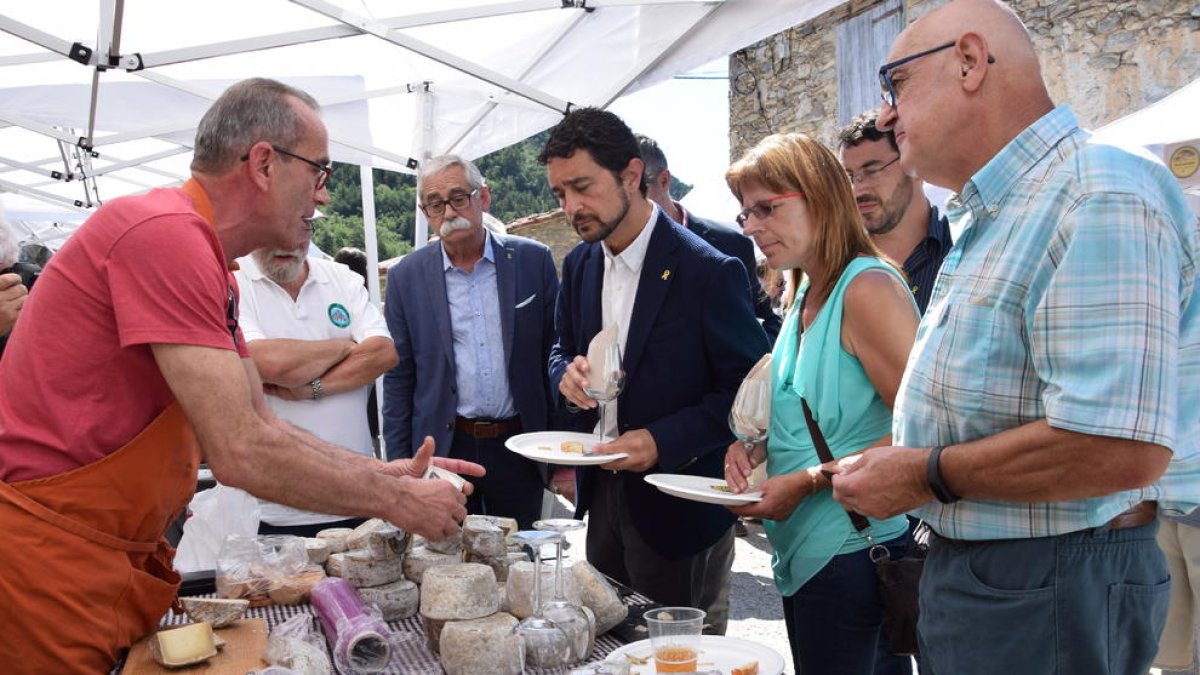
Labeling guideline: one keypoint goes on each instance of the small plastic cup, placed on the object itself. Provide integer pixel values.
(675, 638)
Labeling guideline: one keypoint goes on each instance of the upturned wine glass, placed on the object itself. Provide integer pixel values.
(546, 644)
(750, 416)
(566, 614)
(605, 382)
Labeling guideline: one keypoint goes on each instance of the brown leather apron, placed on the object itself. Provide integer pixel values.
(84, 568)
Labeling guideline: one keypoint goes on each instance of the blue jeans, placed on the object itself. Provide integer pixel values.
(1086, 603)
(834, 620)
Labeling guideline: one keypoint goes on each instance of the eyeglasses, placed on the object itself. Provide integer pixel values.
(458, 202)
(763, 208)
(887, 89)
(324, 171)
(869, 176)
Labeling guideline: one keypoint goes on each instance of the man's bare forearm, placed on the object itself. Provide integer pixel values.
(367, 360)
(292, 363)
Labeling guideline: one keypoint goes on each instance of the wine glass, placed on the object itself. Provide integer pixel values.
(750, 416)
(546, 644)
(566, 614)
(605, 382)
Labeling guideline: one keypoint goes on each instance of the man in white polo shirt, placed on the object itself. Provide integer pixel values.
(319, 344)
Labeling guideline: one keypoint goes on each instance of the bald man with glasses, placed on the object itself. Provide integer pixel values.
(904, 225)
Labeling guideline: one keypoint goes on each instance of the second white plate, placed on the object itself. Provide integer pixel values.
(716, 651)
(546, 446)
(700, 489)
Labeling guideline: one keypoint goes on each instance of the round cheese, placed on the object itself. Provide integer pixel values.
(599, 596)
(485, 646)
(361, 571)
(458, 592)
(397, 600)
(520, 587)
(420, 560)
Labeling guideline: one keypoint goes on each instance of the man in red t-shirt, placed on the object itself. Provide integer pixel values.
(128, 360)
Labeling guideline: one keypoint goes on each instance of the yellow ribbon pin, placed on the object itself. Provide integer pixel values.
(666, 275)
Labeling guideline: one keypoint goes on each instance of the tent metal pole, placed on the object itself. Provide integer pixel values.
(423, 149)
(367, 180)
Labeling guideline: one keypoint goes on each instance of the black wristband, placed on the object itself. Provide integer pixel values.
(933, 474)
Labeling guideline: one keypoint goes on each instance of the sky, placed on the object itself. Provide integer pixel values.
(690, 120)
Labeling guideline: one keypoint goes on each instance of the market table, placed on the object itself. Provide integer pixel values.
(415, 658)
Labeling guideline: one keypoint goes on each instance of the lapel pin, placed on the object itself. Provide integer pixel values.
(666, 275)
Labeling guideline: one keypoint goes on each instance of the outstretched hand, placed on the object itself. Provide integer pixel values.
(416, 466)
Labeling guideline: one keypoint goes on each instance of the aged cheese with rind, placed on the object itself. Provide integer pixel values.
(509, 525)
(397, 600)
(451, 545)
(184, 645)
(381, 539)
(219, 612)
(459, 592)
(599, 596)
(362, 572)
(484, 646)
(520, 588)
(336, 536)
(500, 564)
(433, 633)
(318, 550)
(420, 560)
(483, 539)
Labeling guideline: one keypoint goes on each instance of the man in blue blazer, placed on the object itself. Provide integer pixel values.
(689, 336)
(472, 316)
(721, 237)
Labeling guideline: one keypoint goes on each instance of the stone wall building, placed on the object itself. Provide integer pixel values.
(1105, 58)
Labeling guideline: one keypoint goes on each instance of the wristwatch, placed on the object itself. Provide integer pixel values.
(318, 392)
(933, 474)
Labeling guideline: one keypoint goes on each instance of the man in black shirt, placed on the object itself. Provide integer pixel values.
(904, 225)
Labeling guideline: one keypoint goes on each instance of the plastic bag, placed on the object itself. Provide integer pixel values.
(295, 645)
(217, 513)
(273, 568)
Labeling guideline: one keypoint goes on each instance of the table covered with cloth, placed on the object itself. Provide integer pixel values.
(415, 658)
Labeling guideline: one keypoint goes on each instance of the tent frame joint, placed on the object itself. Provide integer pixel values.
(80, 53)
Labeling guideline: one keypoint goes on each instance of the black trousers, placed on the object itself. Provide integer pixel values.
(513, 485)
(616, 548)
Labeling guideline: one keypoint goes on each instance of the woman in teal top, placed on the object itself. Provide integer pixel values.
(842, 349)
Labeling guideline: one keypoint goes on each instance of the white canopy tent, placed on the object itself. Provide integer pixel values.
(100, 98)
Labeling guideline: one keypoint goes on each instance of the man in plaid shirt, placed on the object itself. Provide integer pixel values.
(1050, 407)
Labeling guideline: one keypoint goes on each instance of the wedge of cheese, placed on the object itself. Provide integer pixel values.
(183, 646)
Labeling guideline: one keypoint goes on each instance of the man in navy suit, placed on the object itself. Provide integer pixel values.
(472, 316)
(721, 237)
(688, 336)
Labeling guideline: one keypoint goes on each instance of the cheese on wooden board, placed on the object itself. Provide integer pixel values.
(459, 592)
(336, 536)
(182, 646)
(485, 646)
(598, 595)
(520, 587)
(362, 572)
(397, 600)
(420, 560)
(219, 612)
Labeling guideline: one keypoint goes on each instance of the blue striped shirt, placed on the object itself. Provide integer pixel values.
(923, 263)
(1068, 297)
(480, 369)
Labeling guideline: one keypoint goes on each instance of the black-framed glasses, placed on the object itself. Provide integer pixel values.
(324, 171)
(869, 176)
(764, 208)
(887, 89)
(458, 202)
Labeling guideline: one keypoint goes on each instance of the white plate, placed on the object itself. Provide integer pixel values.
(716, 652)
(700, 489)
(543, 446)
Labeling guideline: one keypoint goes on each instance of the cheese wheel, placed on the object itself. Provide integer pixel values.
(433, 633)
(509, 525)
(500, 564)
(485, 646)
(450, 545)
(362, 572)
(318, 550)
(380, 538)
(336, 536)
(520, 587)
(397, 600)
(483, 538)
(598, 595)
(458, 592)
(419, 560)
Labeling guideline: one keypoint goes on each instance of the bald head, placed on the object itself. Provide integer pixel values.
(958, 107)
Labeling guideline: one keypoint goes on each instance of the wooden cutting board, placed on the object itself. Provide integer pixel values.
(244, 644)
